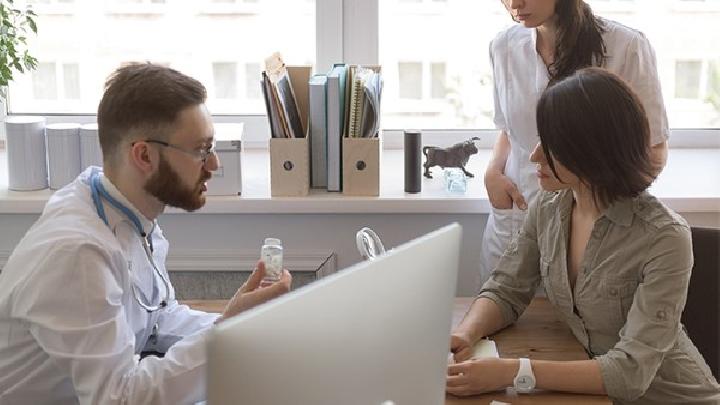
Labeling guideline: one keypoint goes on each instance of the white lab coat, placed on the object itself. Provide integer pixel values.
(71, 331)
(520, 76)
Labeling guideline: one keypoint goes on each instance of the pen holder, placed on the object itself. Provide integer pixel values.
(26, 153)
(361, 166)
(289, 167)
(63, 153)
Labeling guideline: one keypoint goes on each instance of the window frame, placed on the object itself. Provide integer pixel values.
(348, 30)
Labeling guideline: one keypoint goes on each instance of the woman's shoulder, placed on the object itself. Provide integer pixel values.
(618, 34)
(510, 38)
(658, 216)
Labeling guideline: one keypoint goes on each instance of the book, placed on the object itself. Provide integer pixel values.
(276, 129)
(318, 131)
(336, 82)
(285, 96)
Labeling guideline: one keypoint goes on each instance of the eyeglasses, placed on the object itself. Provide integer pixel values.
(202, 154)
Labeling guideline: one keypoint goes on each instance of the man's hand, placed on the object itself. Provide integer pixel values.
(502, 192)
(480, 375)
(460, 346)
(251, 293)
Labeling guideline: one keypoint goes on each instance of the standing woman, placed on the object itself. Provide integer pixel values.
(553, 39)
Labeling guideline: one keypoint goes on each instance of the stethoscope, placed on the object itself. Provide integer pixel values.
(369, 244)
(98, 193)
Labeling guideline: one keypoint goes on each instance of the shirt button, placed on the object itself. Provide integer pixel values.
(661, 315)
(613, 291)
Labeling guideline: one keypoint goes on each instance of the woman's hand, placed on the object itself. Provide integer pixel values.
(479, 376)
(502, 192)
(460, 346)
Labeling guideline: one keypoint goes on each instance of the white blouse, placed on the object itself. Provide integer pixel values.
(520, 76)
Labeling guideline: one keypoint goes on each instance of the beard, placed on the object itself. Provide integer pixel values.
(167, 186)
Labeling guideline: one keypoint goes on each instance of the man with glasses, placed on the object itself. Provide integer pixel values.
(86, 290)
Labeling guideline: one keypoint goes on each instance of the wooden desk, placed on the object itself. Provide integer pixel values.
(538, 334)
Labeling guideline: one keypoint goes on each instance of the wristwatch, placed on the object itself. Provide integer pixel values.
(525, 379)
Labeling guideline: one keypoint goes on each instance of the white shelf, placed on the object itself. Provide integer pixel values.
(689, 183)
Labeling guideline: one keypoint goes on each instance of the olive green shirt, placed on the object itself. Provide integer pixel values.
(628, 298)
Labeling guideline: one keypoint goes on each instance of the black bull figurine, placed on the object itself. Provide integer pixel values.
(454, 156)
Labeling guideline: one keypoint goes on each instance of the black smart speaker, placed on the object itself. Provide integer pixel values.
(413, 161)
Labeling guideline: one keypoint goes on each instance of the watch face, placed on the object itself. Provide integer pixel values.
(524, 382)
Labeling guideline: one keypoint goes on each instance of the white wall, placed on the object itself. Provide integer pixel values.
(228, 233)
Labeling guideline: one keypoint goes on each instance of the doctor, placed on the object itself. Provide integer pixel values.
(86, 290)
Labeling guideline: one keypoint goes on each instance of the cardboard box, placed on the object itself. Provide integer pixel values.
(289, 167)
(227, 179)
(361, 166)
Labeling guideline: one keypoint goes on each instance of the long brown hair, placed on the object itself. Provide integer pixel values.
(596, 126)
(579, 39)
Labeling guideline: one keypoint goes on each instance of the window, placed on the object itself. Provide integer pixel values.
(410, 80)
(225, 51)
(45, 81)
(452, 42)
(252, 81)
(225, 79)
(434, 53)
(452, 78)
(54, 83)
(687, 79)
(438, 84)
(71, 80)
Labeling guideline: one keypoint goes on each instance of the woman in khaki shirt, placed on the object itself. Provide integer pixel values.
(614, 261)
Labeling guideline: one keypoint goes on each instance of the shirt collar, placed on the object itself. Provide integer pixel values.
(147, 225)
(533, 38)
(621, 212)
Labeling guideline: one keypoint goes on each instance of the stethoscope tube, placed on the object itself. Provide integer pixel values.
(98, 193)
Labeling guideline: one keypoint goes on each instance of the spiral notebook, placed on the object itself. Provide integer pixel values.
(364, 114)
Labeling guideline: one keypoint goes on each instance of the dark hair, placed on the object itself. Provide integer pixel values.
(143, 98)
(595, 126)
(579, 39)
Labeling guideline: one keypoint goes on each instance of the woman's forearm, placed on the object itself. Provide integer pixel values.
(582, 376)
(501, 150)
(482, 319)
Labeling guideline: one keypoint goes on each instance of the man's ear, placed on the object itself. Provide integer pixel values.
(143, 157)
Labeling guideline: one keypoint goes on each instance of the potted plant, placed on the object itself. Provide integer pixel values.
(14, 56)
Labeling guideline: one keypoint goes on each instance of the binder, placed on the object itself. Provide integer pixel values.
(318, 131)
(336, 82)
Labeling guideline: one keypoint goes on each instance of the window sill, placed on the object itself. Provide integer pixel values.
(690, 183)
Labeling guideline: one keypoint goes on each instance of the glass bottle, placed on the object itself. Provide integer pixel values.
(272, 255)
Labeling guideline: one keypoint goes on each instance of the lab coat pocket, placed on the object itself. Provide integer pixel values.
(508, 222)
